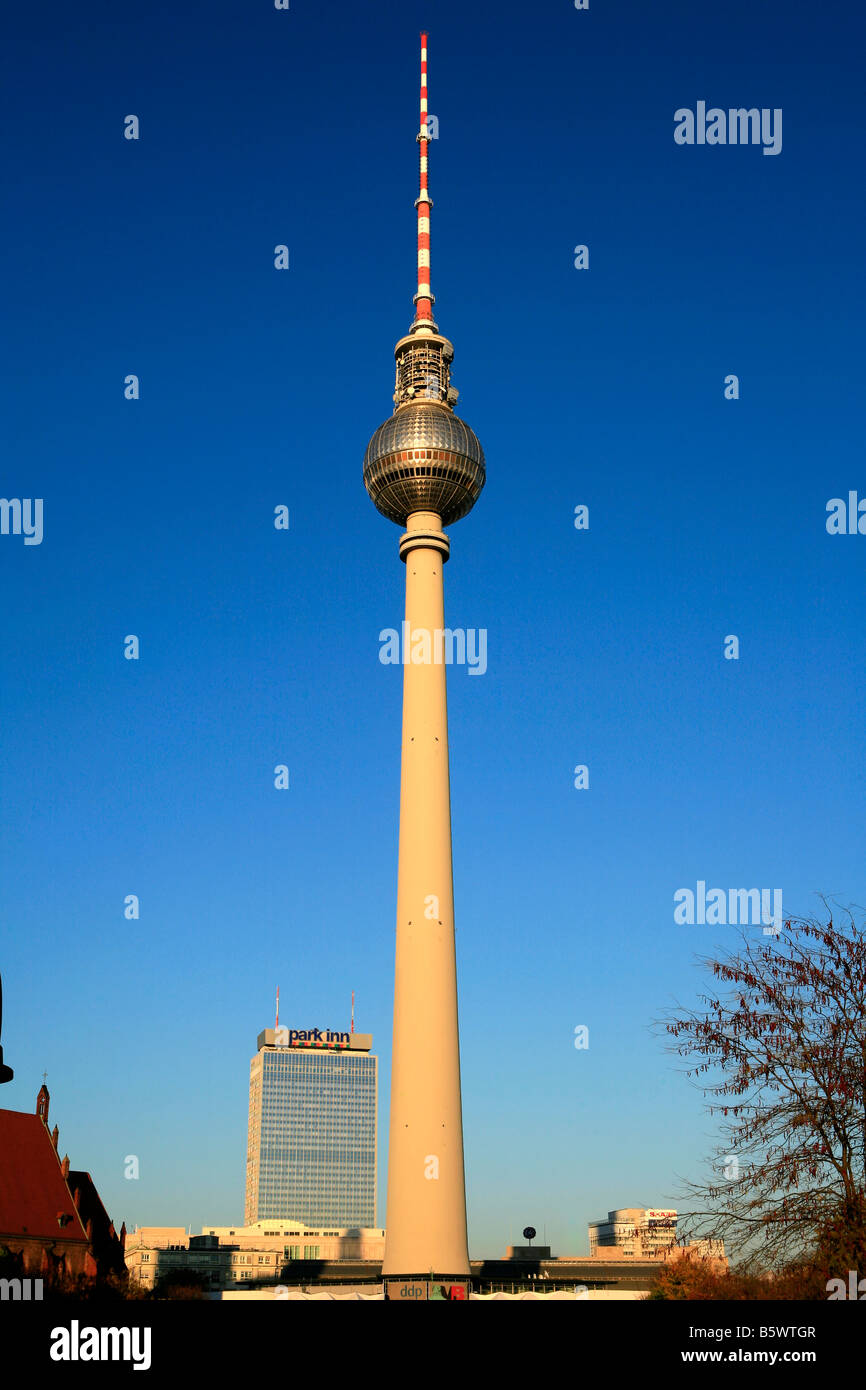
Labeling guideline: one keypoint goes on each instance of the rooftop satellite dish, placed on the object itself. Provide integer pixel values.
(529, 1232)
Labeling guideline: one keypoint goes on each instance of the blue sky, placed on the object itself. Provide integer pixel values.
(602, 387)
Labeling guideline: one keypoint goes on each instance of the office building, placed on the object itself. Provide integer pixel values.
(311, 1148)
(230, 1257)
(642, 1232)
(647, 1233)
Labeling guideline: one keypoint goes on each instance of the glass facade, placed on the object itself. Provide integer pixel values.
(312, 1137)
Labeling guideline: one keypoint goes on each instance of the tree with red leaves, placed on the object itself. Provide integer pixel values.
(781, 1059)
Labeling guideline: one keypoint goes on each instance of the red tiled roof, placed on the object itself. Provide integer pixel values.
(32, 1188)
(104, 1240)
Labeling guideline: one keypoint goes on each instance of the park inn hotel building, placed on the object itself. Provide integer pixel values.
(311, 1147)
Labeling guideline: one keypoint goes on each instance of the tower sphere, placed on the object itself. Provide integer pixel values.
(424, 459)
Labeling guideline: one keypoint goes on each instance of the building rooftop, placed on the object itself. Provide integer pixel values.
(34, 1196)
(314, 1039)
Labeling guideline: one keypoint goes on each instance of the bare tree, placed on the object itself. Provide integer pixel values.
(781, 1059)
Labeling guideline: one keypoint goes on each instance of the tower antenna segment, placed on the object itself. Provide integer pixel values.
(424, 299)
(278, 1008)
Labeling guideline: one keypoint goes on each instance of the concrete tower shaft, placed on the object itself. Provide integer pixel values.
(426, 1209)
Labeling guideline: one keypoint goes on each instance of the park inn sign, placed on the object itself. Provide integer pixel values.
(326, 1039)
(312, 1037)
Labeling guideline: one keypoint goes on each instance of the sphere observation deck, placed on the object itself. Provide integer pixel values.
(424, 458)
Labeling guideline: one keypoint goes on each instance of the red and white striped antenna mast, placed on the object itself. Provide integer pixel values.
(424, 299)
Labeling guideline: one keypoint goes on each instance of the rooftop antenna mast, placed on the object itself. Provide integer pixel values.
(278, 1008)
(353, 1012)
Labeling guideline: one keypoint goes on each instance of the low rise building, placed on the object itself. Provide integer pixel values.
(640, 1232)
(645, 1233)
(227, 1257)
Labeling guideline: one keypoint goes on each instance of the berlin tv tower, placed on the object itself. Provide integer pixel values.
(424, 468)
